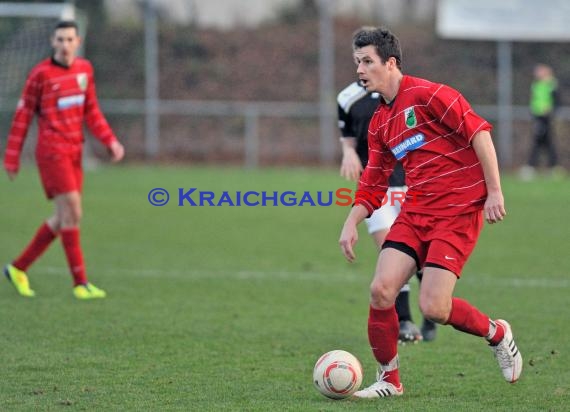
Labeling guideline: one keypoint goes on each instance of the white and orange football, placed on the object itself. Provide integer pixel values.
(337, 374)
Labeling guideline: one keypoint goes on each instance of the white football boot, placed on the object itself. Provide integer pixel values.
(382, 388)
(508, 355)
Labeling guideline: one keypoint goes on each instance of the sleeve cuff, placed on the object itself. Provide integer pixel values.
(110, 140)
(11, 167)
(366, 204)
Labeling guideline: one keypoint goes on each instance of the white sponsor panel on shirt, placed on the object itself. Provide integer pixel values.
(70, 101)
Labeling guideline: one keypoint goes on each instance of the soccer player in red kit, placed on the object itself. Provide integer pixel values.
(453, 178)
(60, 90)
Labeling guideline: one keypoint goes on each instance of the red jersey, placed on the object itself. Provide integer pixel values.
(428, 127)
(63, 98)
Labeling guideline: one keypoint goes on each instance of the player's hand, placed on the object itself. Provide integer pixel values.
(350, 168)
(494, 209)
(11, 174)
(348, 238)
(117, 151)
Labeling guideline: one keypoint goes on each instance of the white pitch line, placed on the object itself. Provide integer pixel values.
(557, 282)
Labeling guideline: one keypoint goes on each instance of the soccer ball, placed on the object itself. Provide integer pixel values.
(337, 374)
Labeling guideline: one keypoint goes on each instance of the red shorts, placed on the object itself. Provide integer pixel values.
(444, 241)
(60, 173)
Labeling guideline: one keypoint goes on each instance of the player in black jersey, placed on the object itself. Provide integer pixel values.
(355, 109)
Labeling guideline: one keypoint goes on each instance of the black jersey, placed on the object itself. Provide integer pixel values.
(355, 109)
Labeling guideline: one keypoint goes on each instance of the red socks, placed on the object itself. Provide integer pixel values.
(383, 330)
(496, 333)
(72, 247)
(469, 319)
(42, 239)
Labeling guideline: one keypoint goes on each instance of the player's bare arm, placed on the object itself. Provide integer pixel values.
(495, 204)
(350, 167)
(349, 234)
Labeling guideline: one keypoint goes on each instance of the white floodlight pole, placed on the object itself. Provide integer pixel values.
(152, 120)
(326, 81)
(505, 102)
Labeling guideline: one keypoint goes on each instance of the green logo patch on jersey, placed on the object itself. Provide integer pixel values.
(410, 117)
(82, 81)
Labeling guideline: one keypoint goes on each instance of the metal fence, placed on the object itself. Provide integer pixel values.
(246, 130)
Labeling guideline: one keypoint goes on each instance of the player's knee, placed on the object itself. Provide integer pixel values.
(70, 216)
(434, 310)
(75, 216)
(54, 223)
(381, 295)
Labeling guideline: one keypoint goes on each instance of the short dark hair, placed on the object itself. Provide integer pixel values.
(386, 43)
(66, 24)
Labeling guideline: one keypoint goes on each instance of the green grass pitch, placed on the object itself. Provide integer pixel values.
(228, 308)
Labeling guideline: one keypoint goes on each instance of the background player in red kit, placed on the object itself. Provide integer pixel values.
(61, 91)
(452, 172)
